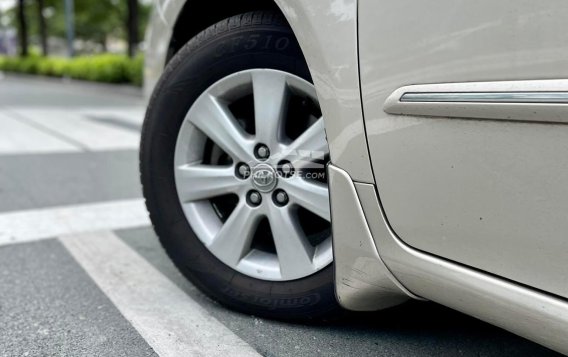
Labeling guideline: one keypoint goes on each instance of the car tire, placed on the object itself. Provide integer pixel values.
(254, 40)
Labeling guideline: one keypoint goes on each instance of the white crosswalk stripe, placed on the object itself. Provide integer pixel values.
(91, 135)
(167, 318)
(17, 137)
(43, 130)
(37, 224)
(170, 321)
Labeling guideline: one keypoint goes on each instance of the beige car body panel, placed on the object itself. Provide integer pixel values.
(374, 268)
(514, 307)
(158, 35)
(490, 194)
(519, 309)
(327, 33)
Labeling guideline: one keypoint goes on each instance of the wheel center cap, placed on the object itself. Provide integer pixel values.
(264, 178)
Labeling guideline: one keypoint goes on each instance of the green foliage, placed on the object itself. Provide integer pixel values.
(16, 64)
(108, 68)
(136, 70)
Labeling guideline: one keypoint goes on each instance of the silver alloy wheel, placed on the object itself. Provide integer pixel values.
(252, 173)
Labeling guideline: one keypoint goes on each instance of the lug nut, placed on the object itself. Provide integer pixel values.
(254, 198)
(262, 152)
(243, 171)
(286, 168)
(281, 198)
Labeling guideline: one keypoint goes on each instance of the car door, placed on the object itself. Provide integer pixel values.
(465, 106)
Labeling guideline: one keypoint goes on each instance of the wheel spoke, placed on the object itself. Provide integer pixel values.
(294, 252)
(233, 241)
(212, 117)
(311, 195)
(270, 105)
(310, 146)
(198, 182)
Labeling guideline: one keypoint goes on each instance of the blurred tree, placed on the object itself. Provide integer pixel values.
(42, 27)
(96, 21)
(22, 28)
(132, 27)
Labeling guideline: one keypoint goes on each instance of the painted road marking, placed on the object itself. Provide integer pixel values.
(17, 137)
(37, 224)
(134, 115)
(168, 319)
(93, 136)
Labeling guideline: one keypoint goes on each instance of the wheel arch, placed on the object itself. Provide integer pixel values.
(328, 37)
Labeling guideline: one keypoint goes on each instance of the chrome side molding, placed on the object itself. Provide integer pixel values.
(532, 101)
(488, 97)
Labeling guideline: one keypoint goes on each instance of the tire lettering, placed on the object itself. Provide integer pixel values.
(252, 42)
(282, 43)
(267, 44)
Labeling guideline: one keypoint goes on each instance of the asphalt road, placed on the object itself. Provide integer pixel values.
(82, 273)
